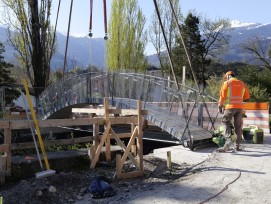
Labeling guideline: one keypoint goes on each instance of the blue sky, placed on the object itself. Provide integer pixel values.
(246, 11)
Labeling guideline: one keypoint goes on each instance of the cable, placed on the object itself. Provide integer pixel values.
(105, 21)
(54, 38)
(225, 188)
(67, 40)
(165, 39)
(90, 18)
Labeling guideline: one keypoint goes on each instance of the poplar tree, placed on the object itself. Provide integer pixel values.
(127, 38)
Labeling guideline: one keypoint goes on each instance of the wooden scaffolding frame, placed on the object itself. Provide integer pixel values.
(134, 148)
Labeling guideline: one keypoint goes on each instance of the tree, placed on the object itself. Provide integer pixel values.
(195, 48)
(203, 41)
(5, 77)
(260, 48)
(127, 38)
(155, 32)
(30, 33)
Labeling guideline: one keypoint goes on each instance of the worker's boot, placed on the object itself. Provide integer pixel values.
(226, 146)
(239, 148)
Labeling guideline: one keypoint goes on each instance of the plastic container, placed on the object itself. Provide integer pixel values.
(253, 133)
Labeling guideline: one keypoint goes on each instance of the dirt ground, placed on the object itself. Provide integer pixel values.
(200, 176)
(73, 187)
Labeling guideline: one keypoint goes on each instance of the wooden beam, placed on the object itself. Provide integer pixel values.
(97, 111)
(106, 110)
(7, 141)
(96, 135)
(3, 168)
(118, 167)
(140, 134)
(24, 124)
(98, 151)
(122, 112)
(132, 174)
(4, 124)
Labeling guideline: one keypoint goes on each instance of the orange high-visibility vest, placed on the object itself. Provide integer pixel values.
(232, 94)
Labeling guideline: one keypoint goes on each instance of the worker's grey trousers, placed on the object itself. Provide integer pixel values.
(236, 114)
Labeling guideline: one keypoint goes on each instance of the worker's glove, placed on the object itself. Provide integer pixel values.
(221, 109)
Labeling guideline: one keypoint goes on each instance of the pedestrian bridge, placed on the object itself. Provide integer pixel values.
(179, 111)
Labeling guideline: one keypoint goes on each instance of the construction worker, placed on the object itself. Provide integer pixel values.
(232, 94)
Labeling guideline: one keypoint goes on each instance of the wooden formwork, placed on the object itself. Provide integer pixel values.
(134, 148)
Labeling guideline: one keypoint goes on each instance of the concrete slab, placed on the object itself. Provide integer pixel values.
(233, 177)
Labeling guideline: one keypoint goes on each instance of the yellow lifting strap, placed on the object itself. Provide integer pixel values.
(36, 125)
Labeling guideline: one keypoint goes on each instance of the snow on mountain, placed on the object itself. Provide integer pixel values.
(238, 24)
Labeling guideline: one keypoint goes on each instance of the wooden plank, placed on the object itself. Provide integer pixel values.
(118, 167)
(89, 110)
(3, 168)
(139, 137)
(106, 109)
(125, 112)
(122, 112)
(128, 175)
(91, 152)
(96, 131)
(4, 124)
(98, 151)
(24, 124)
(7, 141)
(134, 152)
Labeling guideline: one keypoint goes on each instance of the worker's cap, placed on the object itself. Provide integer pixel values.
(229, 73)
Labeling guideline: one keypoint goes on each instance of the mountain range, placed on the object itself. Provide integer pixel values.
(83, 50)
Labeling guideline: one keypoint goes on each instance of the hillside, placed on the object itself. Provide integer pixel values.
(83, 51)
(239, 34)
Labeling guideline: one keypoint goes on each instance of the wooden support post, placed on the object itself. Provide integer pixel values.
(169, 164)
(98, 151)
(139, 136)
(118, 165)
(3, 168)
(7, 141)
(96, 130)
(133, 127)
(134, 150)
(145, 124)
(108, 152)
(91, 152)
